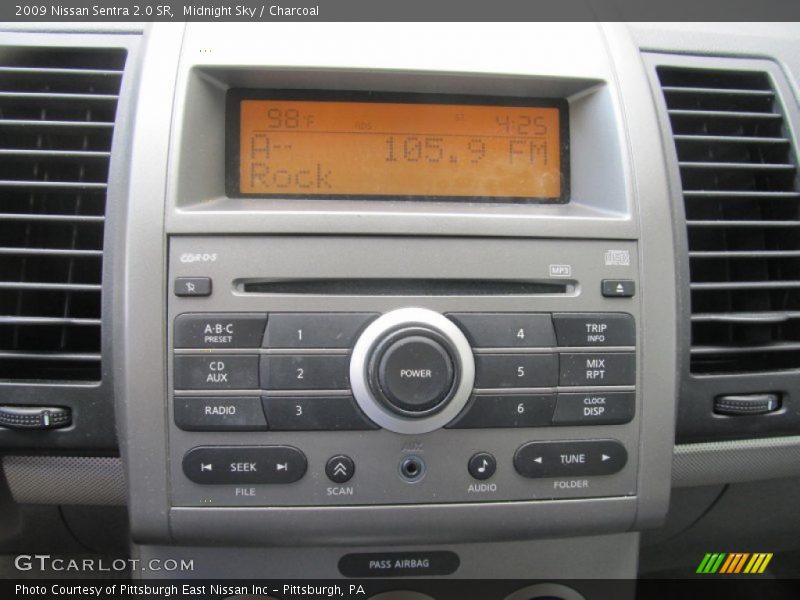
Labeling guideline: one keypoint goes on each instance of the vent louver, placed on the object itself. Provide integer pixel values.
(57, 110)
(742, 204)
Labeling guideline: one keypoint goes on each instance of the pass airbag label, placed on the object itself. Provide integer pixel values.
(399, 564)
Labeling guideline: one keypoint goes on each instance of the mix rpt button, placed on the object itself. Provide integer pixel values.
(597, 368)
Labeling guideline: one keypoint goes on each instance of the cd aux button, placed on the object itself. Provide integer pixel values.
(216, 372)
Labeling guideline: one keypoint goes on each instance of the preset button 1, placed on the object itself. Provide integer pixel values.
(314, 330)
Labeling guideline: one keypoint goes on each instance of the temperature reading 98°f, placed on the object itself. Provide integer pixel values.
(381, 149)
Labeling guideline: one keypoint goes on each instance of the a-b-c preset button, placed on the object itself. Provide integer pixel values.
(415, 373)
(219, 330)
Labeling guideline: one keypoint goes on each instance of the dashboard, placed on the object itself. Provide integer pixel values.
(456, 303)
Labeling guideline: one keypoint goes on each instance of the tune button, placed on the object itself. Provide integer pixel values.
(414, 372)
(482, 465)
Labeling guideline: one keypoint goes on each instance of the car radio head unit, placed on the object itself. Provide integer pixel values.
(397, 146)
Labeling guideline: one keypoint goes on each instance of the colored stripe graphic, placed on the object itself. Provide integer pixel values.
(711, 562)
(767, 558)
(734, 563)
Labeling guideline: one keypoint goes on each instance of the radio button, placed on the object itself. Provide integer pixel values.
(594, 329)
(314, 330)
(305, 372)
(506, 330)
(315, 413)
(506, 411)
(595, 408)
(570, 459)
(244, 464)
(598, 368)
(216, 372)
(219, 414)
(515, 370)
(219, 330)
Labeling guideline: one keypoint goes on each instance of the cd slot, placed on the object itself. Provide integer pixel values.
(405, 287)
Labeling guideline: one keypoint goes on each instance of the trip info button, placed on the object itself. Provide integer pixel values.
(244, 464)
(570, 459)
(399, 564)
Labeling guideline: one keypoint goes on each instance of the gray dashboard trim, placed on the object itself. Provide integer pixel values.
(396, 525)
(735, 461)
(79, 480)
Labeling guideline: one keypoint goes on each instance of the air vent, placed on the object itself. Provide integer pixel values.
(57, 109)
(742, 206)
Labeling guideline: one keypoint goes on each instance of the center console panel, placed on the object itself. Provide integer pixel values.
(364, 371)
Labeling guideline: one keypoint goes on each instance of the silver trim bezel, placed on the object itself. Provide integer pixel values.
(377, 330)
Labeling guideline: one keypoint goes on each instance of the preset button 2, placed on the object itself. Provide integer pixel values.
(305, 372)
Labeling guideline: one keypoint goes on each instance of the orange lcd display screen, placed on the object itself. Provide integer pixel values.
(388, 149)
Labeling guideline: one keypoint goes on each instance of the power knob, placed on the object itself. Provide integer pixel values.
(412, 370)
